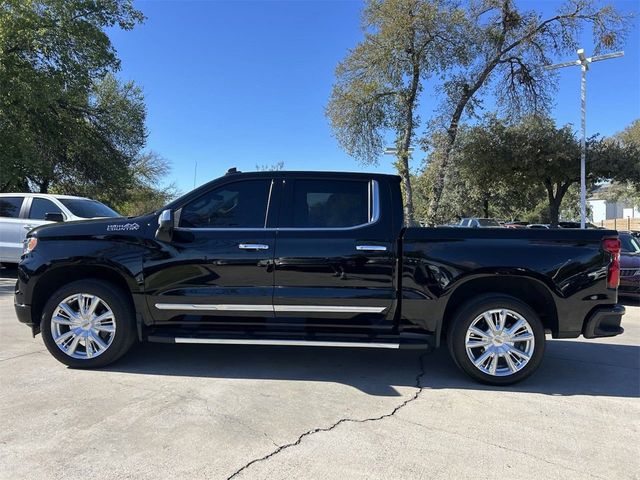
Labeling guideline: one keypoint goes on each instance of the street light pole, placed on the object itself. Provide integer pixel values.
(583, 62)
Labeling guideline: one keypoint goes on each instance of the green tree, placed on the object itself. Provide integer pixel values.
(507, 46)
(471, 192)
(63, 117)
(144, 194)
(534, 153)
(626, 191)
(378, 84)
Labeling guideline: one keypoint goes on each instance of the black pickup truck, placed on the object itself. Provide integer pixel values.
(314, 259)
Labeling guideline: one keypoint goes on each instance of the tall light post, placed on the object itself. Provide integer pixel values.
(583, 62)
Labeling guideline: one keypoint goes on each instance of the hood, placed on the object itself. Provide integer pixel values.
(98, 226)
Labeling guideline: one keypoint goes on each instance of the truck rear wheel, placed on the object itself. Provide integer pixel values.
(496, 339)
(88, 324)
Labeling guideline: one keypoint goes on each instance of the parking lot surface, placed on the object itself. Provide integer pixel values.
(218, 412)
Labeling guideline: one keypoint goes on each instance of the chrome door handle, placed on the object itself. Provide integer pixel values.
(253, 246)
(371, 248)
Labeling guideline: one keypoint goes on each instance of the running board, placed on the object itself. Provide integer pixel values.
(267, 341)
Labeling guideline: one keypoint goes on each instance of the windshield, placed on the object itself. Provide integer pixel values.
(84, 208)
(629, 244)
(488, 222)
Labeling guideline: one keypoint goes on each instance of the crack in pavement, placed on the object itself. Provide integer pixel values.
(418, 386)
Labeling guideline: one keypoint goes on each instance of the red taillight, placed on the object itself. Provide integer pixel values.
(612, 245)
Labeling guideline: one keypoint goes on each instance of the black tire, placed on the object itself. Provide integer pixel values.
(123, 314)
(464, 317)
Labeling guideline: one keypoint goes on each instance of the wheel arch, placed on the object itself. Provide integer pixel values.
(528, 290)
(55, 278)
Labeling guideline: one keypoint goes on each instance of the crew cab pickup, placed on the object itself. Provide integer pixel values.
(316, 259)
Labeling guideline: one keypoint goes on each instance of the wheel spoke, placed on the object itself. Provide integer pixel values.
(104, 328)
(88, 347)
(80, 301)
(63, 321)
(479, 332)
(69, 311)
(522, 338)
(494, 364)
(510, 364)
(108, 315)
(74, 344)
(95, 301)
(516, 326)
(98, 341)
(488, 317)
(502, 320)
(478, 343)
(482, 358)
(64, 337)
(519, 353)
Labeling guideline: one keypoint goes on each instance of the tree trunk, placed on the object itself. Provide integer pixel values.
(408, 192)
(402, 162)
(485, 205)
(452, 133)
(554, 212)
(555, 200)
(44, 186)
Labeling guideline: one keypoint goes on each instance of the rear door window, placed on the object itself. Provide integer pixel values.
(10, 207)
(330, 204)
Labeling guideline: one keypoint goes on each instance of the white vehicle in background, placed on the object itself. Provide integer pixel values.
(21, 212)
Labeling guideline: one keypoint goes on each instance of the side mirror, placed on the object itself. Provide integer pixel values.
(54, 217)
(165, 226)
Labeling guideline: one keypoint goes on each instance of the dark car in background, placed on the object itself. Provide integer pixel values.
(629, 265)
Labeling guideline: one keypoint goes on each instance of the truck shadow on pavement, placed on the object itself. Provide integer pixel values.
(569, 367)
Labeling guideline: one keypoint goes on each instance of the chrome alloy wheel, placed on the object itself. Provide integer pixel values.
(499, 342)
(83, 326)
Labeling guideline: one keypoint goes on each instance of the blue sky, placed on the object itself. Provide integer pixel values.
(244, 83)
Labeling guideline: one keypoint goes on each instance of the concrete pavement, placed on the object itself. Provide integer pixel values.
(217, 412)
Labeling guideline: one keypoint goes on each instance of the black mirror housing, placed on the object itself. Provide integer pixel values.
(54, 217)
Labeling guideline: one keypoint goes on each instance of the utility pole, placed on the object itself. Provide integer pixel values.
(583, 62)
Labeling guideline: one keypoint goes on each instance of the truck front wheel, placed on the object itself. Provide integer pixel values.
(496, 339)
(88, 324)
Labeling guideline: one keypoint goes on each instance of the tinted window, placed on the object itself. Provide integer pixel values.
(488, 222)
(236, 205)
(85, 208)
(10, 206)
(330, 203)
(42, 206)
(629, 244)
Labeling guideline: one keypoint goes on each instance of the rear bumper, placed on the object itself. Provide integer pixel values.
(604, 322)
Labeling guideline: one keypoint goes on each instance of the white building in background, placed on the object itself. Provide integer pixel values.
(602, 209)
